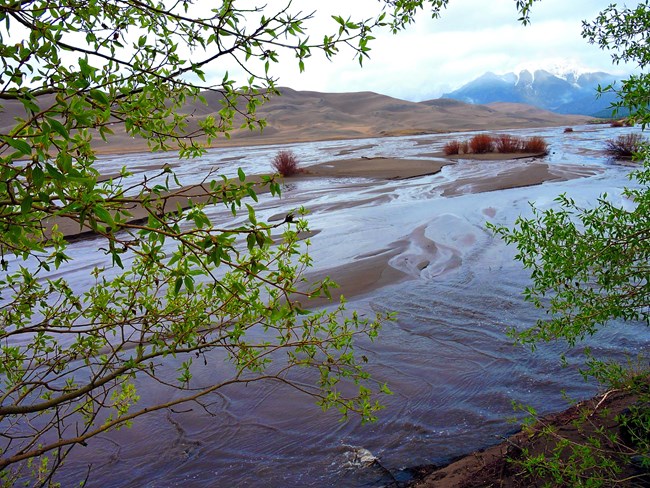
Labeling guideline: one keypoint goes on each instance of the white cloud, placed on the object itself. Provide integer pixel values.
(434, 55)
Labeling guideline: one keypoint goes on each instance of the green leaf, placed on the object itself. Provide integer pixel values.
(86, 69)
(178, 285)
(26, 204)
(59, 128)
(117, 260)
(54, 173)
(100, 96)
(251, 241)
(38, 177)
(30, 106)
(21, 146)
(242, 176)
(251, 193)
(104, 215)
(189, 284)
(251, 214)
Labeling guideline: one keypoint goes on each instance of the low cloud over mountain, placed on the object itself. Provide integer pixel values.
(567, 93)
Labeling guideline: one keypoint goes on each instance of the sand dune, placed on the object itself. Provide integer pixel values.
(299, 116)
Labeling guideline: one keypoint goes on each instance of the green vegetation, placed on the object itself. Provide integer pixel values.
(589, 266)
(180, 290)
(596, 443)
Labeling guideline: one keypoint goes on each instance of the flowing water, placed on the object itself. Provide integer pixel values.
(447, 358)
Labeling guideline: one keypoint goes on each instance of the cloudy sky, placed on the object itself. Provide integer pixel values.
(436, 55)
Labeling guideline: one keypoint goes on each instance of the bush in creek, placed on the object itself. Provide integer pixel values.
(506, 143)
(286, 163)
(451, 148)
(624, 146)
(535, 145)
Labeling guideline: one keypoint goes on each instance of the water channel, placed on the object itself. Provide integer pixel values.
(447, 358)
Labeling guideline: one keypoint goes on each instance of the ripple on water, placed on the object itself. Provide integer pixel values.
(448, 358)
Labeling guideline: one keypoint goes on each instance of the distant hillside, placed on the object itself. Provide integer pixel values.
(298, 116)
(306, 115)
(568, 93)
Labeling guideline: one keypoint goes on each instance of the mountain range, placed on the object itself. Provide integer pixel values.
(563, 93)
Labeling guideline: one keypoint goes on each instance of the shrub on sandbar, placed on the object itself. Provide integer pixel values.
(624, 146)
(505, 143)
(536, 145)
(451, 148)
(624, 122)
(286, 163)
(481, 143)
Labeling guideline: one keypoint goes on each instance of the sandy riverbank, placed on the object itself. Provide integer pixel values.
(496, 466)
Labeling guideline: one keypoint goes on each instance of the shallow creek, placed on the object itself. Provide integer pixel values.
(447, 358)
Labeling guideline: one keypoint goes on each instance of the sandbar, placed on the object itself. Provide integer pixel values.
(377, 168)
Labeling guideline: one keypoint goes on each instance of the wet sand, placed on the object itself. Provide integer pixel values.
(367, 273)
(361, 276)
(535, 172)
(377, 168)
(372, 168)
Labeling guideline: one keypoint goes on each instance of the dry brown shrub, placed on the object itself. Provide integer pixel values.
(286, 163)
(451, 148)
(481, 143)
(536, 145)
(506, 143)
(624, 146)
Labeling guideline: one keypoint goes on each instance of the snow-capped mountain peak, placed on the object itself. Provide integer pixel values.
(564, 69)
(564, 88)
